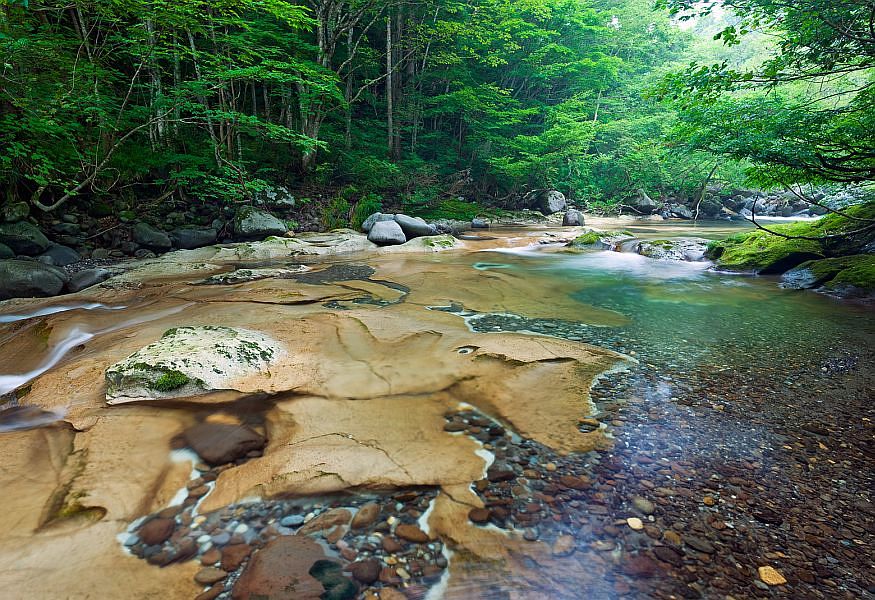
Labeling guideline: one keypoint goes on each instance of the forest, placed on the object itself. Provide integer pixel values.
(427, 105)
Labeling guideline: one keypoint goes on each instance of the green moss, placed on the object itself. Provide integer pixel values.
(858, 271)
(455, 210)
(170, 380)
(587, 239)
(591, 237)
(441, 241)
(761, 252)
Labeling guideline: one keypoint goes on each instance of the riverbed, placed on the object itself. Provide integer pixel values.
(509, 419)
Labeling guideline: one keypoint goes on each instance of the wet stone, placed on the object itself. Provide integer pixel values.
(156, 531)
(209, 575)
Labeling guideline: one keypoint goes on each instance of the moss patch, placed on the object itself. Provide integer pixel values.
(761, 252)
(858, 272)
(170, 380)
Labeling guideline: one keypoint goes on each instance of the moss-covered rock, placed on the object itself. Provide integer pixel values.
(764, 253)
(847, 276)
(682, 249)
(190, 361)
(600, 240)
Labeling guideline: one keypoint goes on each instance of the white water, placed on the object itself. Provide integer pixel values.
(75, 337)
(51, 310)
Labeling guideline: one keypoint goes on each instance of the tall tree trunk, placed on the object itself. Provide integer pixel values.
(390, 109)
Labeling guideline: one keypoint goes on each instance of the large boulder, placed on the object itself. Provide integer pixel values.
(680, 211)
(30, 279)
(375, 218)
(600, 240)
(547, 201)
(276, 197)
(644, 204)
(189, 361)
(23, 238)
(151, 238)
(414, 226)
(251, 223)
(846, 276)
(573, 218)
(387, 233)
(189, 238)
(61, 256)
(683, 249)
(87, 278)
(14, 212)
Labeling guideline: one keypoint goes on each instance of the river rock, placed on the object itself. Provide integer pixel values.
(281, 571)
(221, 443)
(573, 218)
(210, 575)
(189, 238)
(366, 571)
(327, 520)
(6, 252)
(190, 361)
(30, 279)
(684, 249)
(156, 531)
(680, 211)
(479, 223)
(15, 212)
(251, 223)
(146, 235)
(234, 555)
(547, 201)
(275, 197)
(366, 515)
(61, 255)
(414, 226)
(87, 278)
(377, 217)
(411, 533)
(23, 238)
(771, 576)
(387, 233)
(644, 204)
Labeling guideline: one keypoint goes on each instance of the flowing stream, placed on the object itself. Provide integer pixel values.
(729, 429)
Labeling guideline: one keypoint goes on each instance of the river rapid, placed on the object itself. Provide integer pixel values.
(494, 418)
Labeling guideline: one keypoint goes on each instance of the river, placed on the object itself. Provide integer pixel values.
(505, 420)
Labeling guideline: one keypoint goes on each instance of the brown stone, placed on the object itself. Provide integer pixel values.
(391, 545)
(211, 557)
(211, 594)
(220, 443)
(411, 533)
(234, 555)
(210, 575)
(479, 515)
(156, 531)
(574, 483)
(327, 520)
(281, 571)
(366, 571)
(366, 516)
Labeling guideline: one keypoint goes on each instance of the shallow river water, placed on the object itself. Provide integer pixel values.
(504, 420)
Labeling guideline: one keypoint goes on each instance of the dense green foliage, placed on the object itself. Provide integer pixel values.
(210, 100)
(803, 107)
(423, 101)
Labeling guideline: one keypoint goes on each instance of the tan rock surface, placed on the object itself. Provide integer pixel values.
(357, 401)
